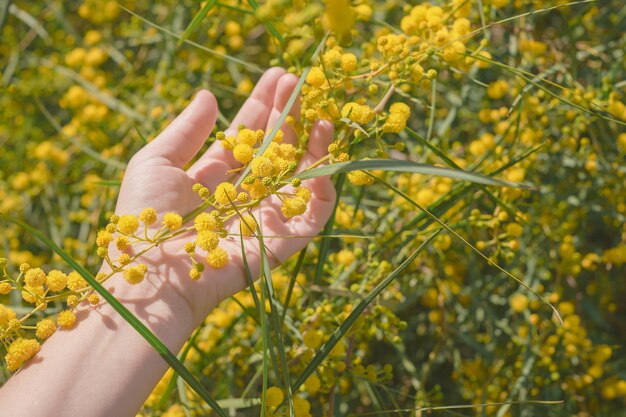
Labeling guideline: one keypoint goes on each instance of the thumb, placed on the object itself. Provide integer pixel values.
(182, 139)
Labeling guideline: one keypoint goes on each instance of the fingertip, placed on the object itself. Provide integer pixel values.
(321, 136)
(286, 84)
(271, 76)
(206, 97)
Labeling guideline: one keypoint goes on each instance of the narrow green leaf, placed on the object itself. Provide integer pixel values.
(4, 12)
(357, 311)
(324, 248)
(150, 337)
(406, 166)
(195, 22)
(260, 305)
(428, 410)
(276, 323)
(172, 382)
(292, 283)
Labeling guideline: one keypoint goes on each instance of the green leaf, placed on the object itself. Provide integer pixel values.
(195, 22)
(150, 337)
(275, 321)
(357, 311)
(406, 166)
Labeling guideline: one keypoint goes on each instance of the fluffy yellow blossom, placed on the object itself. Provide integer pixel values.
(497, 89)
(395, 123)
(75, 281)
(172, 221)
(205, 222)
(225, 193)
(174, 411)
(135, 274)
(32, 294)
(360, 178)
(346, 257)
(400, 108)
(103, 238)
(20, 351)
(207, 240)
(148, 216)
(5, 288)
(274, 396)
(301, 407)
(45, 328)
(304, 193)
(518, 302)
(248, 225)
(312, 384)
(312, 339)
(358, 113)
(35, 277)
(262, 166)
(247, 137)
(348, 62)
(243, 153)
(56, 280)
(217, 258)
(93, 299)
(339, 16)
(127, 224)
(256, 189)
(6, 315)
(66, 319)
(293, 206)
(316, 77)
(122, 243)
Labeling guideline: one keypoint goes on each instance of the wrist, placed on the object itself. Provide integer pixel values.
(163, 310)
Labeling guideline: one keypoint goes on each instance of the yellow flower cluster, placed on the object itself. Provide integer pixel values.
(396, 120)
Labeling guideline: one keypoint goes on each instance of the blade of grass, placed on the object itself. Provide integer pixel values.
(260, 304)
(266, 280)
(406, 166)
(292, 283)
(425, 410)
(172, 382)
(328, 230)
(195, 22)
(357, 311)
(150, 337)
(4, 11)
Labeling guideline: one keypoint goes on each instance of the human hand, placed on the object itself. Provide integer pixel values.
(156, 178)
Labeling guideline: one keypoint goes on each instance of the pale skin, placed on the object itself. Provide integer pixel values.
(103, 367)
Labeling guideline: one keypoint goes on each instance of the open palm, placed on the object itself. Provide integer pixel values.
(156, 178)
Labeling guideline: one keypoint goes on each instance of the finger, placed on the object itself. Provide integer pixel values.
(320, 137)
(210, 168)
(284, 89)
(182, 139)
